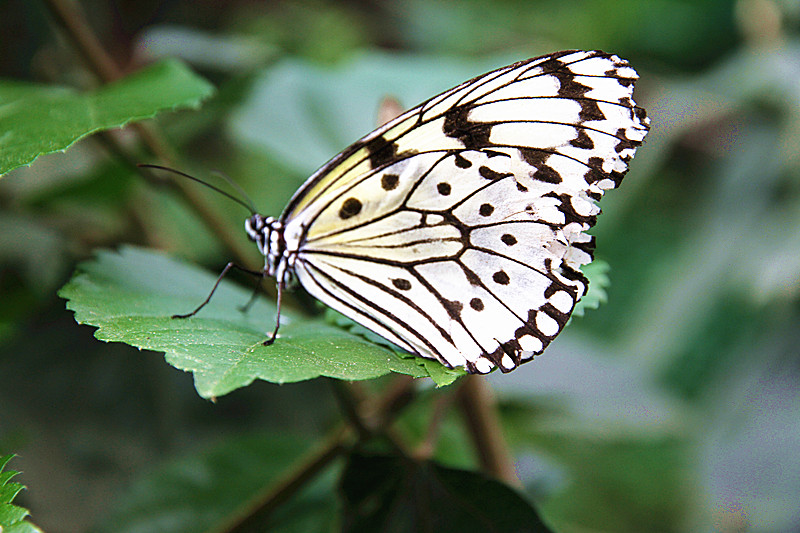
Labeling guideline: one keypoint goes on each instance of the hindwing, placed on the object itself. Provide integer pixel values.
(457, 230)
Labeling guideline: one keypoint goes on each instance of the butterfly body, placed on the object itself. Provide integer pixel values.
(456, 231)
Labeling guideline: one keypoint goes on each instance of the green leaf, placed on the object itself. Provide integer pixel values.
(440, 374)
(130, 296)
(387, 493)
(597, 274)
(201, 491)
(12, 517)
(40, 119)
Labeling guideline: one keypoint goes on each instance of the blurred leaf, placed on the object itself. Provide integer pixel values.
(41, 260)
(12, 517)
(619, 482)
(200, 491)
(33, 259)
(331, 30)
(131, 295)
(40, 119)
(304, 114)
(171, 224)
(629, 471)
(232, 52)
(396, 494)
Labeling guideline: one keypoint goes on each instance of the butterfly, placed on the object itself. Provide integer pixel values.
(457, 230)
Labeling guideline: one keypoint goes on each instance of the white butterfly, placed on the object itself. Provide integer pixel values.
(456, 231)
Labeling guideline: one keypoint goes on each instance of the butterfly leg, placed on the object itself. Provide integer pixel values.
(246, 307)
(227, 269)
(274, 335)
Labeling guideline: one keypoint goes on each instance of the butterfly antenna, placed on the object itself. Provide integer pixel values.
(212, 187)
(238, 188)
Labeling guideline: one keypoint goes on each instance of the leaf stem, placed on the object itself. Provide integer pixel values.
(479, 407)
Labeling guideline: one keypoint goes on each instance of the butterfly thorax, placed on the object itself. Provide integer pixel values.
(268, 234)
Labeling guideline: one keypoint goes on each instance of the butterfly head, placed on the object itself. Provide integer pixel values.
(267, 233)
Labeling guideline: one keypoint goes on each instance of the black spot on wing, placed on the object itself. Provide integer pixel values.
(472, 135)
(381, 152)
(389, 182)
(547, 174)
(508, 239)
(501, 278)
(489, 174)
(350, 208)
(536, 158)
(569, 87)
(552, 65)
(401, 284)
(582, 140)
(461, 161)
(590, 111)
(453, 308)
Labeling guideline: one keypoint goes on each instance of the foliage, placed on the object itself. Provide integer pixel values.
(672, 408)
(41, 119)
(387, 493)
(131, 296)
(13, 519)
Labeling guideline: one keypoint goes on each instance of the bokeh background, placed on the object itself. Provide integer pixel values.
(674, 407)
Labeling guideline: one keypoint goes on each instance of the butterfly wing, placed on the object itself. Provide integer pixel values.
(456, 231)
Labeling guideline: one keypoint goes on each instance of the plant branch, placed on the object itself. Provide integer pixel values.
(349, 399)
(69, 17)
(426, 448)
(352, 401)
(479, 407)
(254, 513)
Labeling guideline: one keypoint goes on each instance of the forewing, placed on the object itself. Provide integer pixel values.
(456, 231)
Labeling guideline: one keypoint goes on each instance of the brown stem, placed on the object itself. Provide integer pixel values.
(255, 512)
(349, 399)
(399, 394)
(427, 447)
(352, 405)
(69, 17)
(480, 413)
